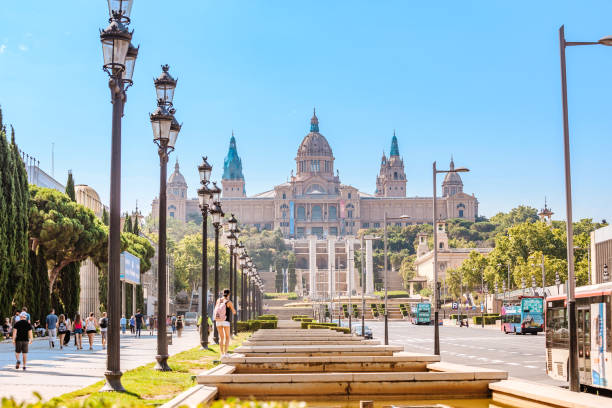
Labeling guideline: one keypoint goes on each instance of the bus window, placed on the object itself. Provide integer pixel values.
(556, 322)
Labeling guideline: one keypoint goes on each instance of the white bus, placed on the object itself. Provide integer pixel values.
(593, 313)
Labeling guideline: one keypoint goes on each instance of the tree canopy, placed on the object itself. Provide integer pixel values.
(66, 231)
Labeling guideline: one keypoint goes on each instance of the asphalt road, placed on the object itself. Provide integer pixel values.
(522, 356)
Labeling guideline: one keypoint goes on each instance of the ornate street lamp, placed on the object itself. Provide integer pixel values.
(217, 215)
(165, 133)
(204, 196)
(606, 275)
(436, 287)
(242, 262)
(523, 284)
(119, 57)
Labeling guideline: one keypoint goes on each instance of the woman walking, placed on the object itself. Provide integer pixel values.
(179, 325)
(62, 329)
(224, 309)
(90, 326)
(103, 328)
(77, 329)
(132, 324)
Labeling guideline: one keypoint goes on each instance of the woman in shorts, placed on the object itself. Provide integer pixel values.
(77, 329)
(62, 329)
(223, 322)
(90, 327)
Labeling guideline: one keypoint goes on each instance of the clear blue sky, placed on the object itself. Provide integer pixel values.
(476, 79)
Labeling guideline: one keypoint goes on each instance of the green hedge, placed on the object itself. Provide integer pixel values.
(317, 326)
(267, 317)
(454, 316)
(277, 295)
(342, 329)
(297, 317)
(304, 319)
(488, 319)
(253, 325)
(304, 325)
(242, 326)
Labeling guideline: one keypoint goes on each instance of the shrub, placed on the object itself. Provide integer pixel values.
(454, 316)
(297, 317)
(322, 326)
(488, 319)
(317, 326)
(242, 326)
(306, 325)
(391, 294)
(267, 324)
(272, 295)
(254, 325)
(267, 317)
(342, 329)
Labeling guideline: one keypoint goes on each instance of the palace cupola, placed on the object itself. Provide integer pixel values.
(314, 156)
(452, 183)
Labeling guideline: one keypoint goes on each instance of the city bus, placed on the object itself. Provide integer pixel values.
(593, 314)
(421, 313)
(528, 317)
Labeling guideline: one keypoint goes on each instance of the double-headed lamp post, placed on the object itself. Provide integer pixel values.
(233, 243)
(243, 281)
(165, 133)
(119, 61)
(205, 198)
(217, 215)
(435, 254)
(573, 374)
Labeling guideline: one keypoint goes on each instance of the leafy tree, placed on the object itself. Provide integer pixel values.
(66, 231)
(518, 215)
(127, 223)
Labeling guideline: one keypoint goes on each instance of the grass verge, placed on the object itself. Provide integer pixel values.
(147, 387)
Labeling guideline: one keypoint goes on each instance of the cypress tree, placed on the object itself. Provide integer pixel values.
(135, 226)
(105, 219)
(67, 286)
(6, 294)
(127, 223)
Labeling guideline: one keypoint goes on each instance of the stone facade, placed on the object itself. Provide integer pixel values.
(315, 202)
(448, 258)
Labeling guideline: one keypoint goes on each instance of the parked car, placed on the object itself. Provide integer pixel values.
(357, 331)
(191, 318)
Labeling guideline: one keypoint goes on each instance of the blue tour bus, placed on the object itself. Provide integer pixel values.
(421, 313)
(528, 317)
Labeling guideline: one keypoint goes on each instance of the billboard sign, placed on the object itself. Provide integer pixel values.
(130, 268)
(291, 219)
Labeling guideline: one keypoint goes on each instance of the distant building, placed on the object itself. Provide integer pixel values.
(315, 202)
(601, 254)
(448, 258)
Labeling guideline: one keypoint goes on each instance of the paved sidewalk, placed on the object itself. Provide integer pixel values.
(55, 372)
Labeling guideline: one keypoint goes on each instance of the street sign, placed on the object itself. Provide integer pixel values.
(482, 307)
(130, 268)
(455, 306)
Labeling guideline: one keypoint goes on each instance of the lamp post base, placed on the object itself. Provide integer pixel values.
(113, 382)
(162, 363)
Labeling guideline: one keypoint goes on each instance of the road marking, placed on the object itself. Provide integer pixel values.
(513, 364)
(491, 349)
(530, 366)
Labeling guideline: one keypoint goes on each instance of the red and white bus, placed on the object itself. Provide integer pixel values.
(593, 315)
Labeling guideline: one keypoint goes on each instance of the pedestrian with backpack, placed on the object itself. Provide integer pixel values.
(224, 309)
(103, 328)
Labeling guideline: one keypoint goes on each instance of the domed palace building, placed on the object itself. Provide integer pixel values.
(315, 202)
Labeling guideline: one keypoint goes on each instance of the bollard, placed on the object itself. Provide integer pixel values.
(366, 404)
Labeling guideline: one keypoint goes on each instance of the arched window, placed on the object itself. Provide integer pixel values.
(316, 213)
(333, 213)
(395, 175)
(301, 213)
(460, 213)
(284, 196)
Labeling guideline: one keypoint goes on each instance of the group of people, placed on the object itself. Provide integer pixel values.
(60, 328)
(57, 328)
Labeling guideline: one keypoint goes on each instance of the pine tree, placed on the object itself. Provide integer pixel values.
(67, 287)
(105, 219)
(127, 224)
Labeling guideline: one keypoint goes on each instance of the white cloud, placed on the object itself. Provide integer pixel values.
(2, 48)
(23, 47)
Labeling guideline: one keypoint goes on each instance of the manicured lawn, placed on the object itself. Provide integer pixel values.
(145, 386)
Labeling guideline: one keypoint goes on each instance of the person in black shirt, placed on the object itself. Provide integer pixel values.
(139, 318)
(22, 337)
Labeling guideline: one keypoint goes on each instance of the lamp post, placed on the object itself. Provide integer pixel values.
(204, 196)
(165, 133)
(119, 61)
(482, 289)
(606, 275)
(573, 374)
(233, 242)
(435, 253)
(242, 262)
(217, 214)
(385, 220)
